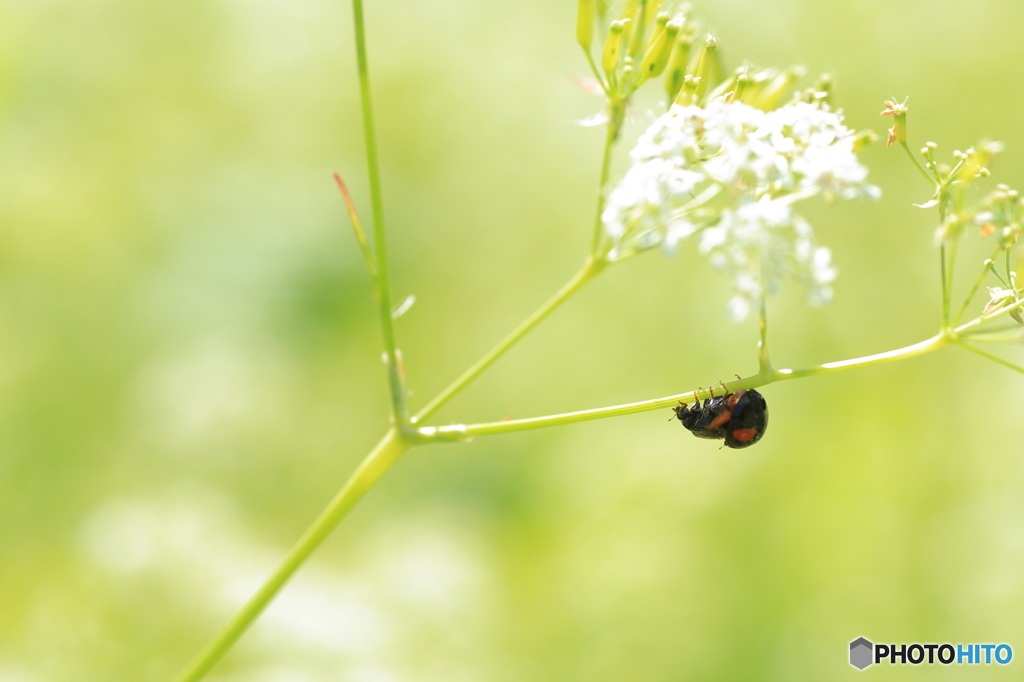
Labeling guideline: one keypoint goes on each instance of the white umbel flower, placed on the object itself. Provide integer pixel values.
(763, 242)
(764, 162)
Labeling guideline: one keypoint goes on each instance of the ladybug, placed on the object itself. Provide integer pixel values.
(741, 418)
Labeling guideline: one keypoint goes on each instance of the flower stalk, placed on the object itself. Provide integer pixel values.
(396, 380)
(380, 459)
(459, 432)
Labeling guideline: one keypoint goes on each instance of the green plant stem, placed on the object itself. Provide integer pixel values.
(1013, 333)
(989, 356)
(764, 362)
(590, 268)
(917, 164)
(395, 380)
(927, 346)
(593, 265)
(974, 289)
(463, 431)
(945, 290)
(597, 74)
(606, 164)
(991, 315)
(380, 459)
(947, 298)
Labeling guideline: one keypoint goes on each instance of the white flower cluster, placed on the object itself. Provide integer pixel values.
(763, 162)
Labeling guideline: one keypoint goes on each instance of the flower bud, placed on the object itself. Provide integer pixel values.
(775, 89)
(676, 70)
(976, 160)
(660, 22)
(704, 65)
(613, 46)
(688, 94)
(658, 53)
(637, 30)
(742, 80)
(756, 84)
(585, 23)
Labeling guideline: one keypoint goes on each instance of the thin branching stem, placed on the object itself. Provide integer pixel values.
(917, 164)
(974, 289)
(586, 273)
(989, 356)
(395, 380)
(596, 72)
(593, 265)
(457, 432)
(985, 317)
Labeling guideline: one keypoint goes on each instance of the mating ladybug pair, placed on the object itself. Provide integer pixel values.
(741, 418)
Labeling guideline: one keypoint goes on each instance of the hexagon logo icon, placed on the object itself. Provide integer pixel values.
(861, 651)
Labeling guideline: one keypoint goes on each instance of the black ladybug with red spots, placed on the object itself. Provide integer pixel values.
(741, 418)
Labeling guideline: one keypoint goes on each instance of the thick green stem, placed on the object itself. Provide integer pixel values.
(606, 164)
(590, 268)
(463, 431)
(359, 483)
(395, 381)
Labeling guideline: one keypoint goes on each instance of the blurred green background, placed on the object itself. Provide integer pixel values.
(189, 359)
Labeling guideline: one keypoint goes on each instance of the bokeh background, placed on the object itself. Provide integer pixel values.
(189, 359)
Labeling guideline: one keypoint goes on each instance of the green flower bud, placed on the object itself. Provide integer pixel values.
(756, 86)
(613, 47)
(688, 93)
(704, 65)
(977, 160)
(775, 89)
(658, 53)
(639, 27)
(676, 69)
(742, 80)
(585, 23)
(660, 22)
